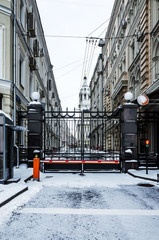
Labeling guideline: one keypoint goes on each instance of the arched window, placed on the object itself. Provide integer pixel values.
(155, 66)
(157, 62)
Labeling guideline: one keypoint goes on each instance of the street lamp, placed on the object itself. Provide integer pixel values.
(128, 96)
(101, 43)
(35, 96)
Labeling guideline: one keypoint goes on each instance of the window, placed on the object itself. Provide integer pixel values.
(135, 84)
(121, 11)
(22, 13)
(132, 50)
(113, 37)
(1, 97)
(49, 85)
(2, 52)
(22, 71)
(157, 63)
(31, 85)
(157, 10)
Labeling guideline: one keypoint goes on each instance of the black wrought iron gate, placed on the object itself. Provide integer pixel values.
(81, 140)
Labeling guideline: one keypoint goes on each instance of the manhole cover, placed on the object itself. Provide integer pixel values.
(145, 185)
(49, 177)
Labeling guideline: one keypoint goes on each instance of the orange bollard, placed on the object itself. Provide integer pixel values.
(36, 168)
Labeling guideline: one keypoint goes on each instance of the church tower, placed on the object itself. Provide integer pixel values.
(84, 96)
(84, 104)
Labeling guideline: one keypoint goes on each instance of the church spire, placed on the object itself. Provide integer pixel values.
(85, 81)
(84, 100)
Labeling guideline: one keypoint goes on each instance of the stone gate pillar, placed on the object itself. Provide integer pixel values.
(129, 153)
(35, 127)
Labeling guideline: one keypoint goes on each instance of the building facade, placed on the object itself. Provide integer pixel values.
(25, 65)
(96, 87)
(130, 58)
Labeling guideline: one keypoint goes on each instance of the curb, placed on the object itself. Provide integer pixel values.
(27, 179)
(14, 196)
(145, 178)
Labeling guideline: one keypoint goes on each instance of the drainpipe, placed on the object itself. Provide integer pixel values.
(14, 68)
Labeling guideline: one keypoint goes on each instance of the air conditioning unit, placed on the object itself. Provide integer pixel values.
(53, 95)
(49, 84)
(99, 72)
(31, 25)
(124, 24)
(32, 64)
(140, 36)
(122, 33)
(42, 95)
(131, 11)
(41, 52)
(115, 55)
(36, 48)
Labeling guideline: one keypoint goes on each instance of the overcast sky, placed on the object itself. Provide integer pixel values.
(70, 56)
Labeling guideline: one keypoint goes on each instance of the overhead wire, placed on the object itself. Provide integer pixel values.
(88, 52)
(88, 55)
(69, 71)
(92, 47)
(91, 58)
(84, 61)
(69, 64)
(98, 27)
(88, 59)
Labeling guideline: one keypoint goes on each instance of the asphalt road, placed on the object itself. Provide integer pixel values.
(103, 213)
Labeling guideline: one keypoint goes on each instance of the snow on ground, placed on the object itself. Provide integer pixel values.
(152, 173)
(59, 198)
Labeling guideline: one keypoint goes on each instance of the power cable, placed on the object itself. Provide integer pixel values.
(87, 55)
(72, 63)
(84, 61)
(69, 71)
(99, 27)
(91, 58)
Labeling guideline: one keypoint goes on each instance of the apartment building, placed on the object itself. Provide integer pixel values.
(130, 60)
(25, 67)
(96, 87)
(25, 64)
(130, 54)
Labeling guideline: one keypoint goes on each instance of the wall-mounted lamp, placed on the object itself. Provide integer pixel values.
(101, 43)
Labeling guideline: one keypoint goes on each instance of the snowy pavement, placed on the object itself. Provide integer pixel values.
(97, 206)
(12, 190)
